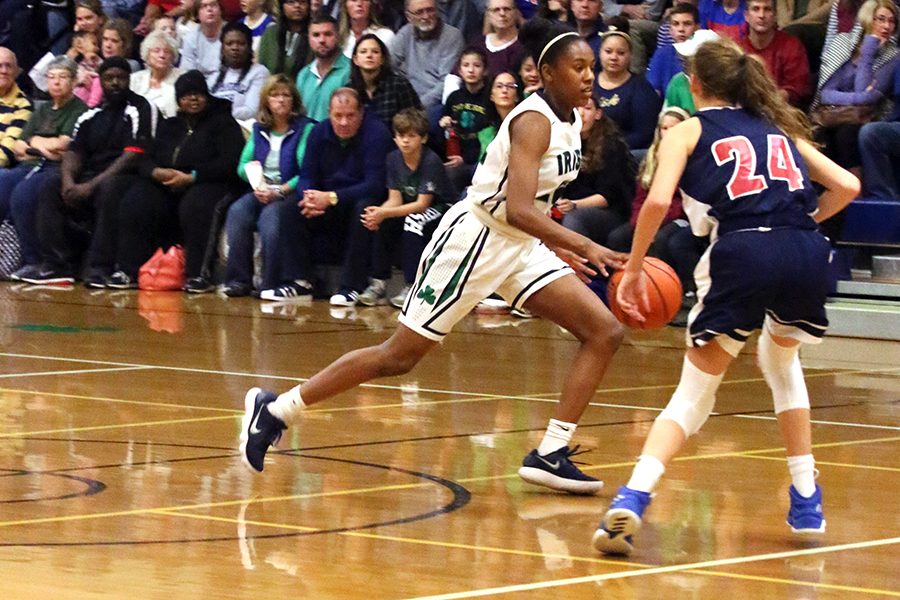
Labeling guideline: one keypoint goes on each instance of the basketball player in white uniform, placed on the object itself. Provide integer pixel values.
(498, 239)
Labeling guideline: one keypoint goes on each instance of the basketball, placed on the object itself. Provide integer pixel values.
(663, 290)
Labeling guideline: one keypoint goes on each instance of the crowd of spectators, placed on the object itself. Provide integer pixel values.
(337, 133)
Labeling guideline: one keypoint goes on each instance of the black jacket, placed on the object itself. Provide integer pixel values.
(211, 148)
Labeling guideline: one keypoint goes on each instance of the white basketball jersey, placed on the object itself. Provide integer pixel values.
(559, 165)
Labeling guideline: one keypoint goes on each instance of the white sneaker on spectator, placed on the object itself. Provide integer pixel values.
(375, 294)
(344, 297)
(400, 299)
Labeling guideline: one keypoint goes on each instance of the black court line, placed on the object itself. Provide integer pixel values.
(92, 486)
(461, 497)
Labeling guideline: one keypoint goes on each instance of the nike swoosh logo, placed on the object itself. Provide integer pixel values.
(254, 430)
(553, 466)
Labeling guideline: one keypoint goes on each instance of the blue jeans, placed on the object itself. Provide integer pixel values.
(19, 201)
(879, 148)
(280, 262)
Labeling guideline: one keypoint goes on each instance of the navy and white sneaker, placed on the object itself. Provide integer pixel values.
(345, 297)
(120, 280)
(621, 521)
(259, 428)
(289, 292)
(25, 271)
(557, 471)
(805, 515)
(49, 276)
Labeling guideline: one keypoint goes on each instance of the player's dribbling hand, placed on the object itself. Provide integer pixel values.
(602, 257)
(578, 263)
(632, 295)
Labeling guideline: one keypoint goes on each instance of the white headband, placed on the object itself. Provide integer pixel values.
(550, 43)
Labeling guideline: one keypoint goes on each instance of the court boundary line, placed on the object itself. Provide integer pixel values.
(818, 373)
(424, 403)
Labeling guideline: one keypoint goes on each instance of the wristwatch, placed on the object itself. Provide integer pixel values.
(332, 198)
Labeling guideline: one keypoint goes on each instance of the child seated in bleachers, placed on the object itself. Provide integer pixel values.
(465, 114)
(419, 193)
(87, 81)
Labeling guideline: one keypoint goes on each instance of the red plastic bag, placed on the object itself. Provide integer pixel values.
(164, 271)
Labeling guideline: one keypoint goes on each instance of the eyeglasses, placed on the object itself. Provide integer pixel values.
(501, 9)
(423, 12)
(507, 86)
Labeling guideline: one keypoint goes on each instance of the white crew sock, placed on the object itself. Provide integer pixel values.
(646, 473)
(287, 405)
(803, 473)
(558, 434)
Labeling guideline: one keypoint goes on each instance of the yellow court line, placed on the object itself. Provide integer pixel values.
(72, 372)
(16, 434)
(222, 504)
(834, 464)
(422, 542)
(709, 564)
(817, 585)
(736, 454)
(119, 400)
(525, 553)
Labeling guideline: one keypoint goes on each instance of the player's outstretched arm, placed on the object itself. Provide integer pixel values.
(841, 186)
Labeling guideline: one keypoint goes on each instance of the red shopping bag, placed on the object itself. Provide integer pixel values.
(164, 271)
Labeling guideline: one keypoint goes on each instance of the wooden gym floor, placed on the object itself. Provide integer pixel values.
(119, 477)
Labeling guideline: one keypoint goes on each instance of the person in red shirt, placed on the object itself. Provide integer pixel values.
(231, 10)
(784, 54)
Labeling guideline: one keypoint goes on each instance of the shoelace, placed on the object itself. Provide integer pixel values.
(575, 451)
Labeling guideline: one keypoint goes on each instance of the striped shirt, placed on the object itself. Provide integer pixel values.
(15, 110)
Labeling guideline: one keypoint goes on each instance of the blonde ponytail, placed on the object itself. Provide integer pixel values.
(725, 72)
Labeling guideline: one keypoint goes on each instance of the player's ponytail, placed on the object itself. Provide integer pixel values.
(725, 72)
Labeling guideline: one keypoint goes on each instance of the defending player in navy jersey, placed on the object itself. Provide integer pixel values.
(745, 167)
(499, 239)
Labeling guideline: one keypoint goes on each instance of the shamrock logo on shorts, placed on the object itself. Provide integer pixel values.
(427, 294)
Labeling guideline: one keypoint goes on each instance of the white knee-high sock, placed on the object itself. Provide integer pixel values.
(287, 405)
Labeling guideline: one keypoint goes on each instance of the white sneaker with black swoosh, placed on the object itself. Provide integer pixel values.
(260, 429)
(557, 471)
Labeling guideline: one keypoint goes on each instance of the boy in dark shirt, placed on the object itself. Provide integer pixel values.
(420, 192)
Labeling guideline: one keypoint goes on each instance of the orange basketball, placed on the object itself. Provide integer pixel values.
(663, 290)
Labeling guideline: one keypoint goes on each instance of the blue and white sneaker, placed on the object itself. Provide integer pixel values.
(557, 471)
(805, 515)
(260, 429)
(621, 521)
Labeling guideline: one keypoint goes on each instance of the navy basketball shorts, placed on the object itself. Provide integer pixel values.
(747, 279)
(464, 263)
